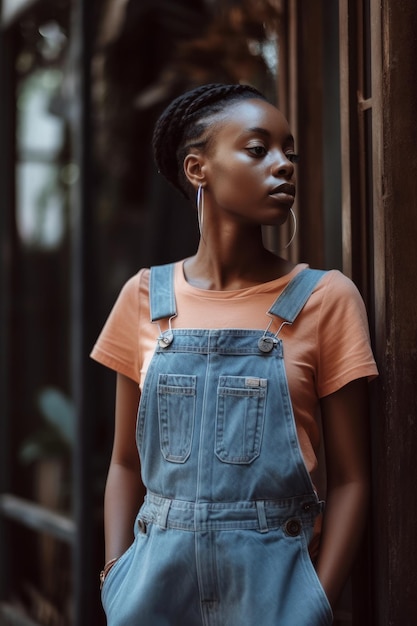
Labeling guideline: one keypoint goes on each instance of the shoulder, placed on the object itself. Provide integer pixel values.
(128, 302)
(337, 292)
(134, 287)
(138, 285)
(343, 342)
(342, 314)
(337, 284)
(136, 281)
(336, 309)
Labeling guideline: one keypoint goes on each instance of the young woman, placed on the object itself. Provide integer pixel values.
(229, 355)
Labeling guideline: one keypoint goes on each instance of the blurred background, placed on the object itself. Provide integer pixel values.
(82, 209)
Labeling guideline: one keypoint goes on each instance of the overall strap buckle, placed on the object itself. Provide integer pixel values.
(289, 304)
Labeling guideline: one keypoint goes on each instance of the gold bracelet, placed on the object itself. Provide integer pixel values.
(106, 570)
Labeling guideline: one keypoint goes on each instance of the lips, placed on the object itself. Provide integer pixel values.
(286, 189)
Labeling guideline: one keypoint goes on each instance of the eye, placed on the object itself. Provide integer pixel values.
(292, 156)
(257, 151)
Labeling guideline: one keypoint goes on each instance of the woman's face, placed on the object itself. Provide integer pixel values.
(249, 169)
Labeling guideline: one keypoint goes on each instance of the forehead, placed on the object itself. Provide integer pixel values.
(251, 114)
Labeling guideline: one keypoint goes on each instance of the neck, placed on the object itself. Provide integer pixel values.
(233, 259)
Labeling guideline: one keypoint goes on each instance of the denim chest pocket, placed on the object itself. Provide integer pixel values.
(240, 416)
(176, 411)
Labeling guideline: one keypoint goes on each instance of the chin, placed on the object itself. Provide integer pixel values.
(277, 220)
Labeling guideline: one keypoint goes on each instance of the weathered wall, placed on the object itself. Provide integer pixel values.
(395, 398)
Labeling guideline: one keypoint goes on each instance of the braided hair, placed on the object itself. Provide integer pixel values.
(184, 122)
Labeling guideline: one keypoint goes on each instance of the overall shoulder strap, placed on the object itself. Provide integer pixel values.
(291, 301)
(161, 292)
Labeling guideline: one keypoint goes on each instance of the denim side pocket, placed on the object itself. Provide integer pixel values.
(325, 614)
(176, 410)
(240, 416)
(114, 572)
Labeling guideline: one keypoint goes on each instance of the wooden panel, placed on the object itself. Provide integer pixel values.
(300, 86)
(395, 432)
(355, 203)
(356, 159)
(345, 134)
(308, 99)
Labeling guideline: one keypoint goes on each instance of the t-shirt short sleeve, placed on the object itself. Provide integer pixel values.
(344, 351)
(117, 346)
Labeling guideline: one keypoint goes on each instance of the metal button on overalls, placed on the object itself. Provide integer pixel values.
(293, 527)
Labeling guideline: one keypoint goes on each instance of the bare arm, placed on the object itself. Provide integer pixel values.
(124, 490)
(346, 435)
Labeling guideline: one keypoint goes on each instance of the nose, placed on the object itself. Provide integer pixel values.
(282, 167)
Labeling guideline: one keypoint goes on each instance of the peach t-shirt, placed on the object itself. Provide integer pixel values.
(326, 347)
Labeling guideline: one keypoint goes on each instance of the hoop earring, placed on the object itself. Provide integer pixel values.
(294, 219)
(200, 208)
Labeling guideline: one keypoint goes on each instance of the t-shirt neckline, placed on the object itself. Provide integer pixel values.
(269, 286)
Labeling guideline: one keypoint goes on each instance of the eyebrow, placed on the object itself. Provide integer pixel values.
(265, 132)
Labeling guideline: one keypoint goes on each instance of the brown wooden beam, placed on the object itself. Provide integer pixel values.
(395, 421)
(309, 96)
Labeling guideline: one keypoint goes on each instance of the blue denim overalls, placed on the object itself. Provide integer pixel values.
(222, 538)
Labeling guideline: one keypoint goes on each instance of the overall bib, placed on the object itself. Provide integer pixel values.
(222, 537)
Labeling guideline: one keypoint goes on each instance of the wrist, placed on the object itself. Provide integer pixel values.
(106, 569)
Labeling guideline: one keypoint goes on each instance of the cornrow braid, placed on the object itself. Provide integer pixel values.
(182, 122)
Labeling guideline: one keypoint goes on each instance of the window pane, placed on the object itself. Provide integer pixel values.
(41, 411)
(40, 402)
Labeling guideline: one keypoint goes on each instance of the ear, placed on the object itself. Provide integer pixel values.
(194, 169)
